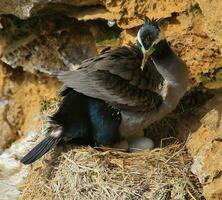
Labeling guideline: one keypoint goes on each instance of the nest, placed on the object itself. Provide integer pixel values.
(86, 173)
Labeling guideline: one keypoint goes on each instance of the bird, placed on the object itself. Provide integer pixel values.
(117, 94)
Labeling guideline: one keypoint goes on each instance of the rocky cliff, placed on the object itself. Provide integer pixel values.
(38, 38)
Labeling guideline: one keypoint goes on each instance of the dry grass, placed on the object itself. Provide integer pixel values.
(85, 173)
(88, 174)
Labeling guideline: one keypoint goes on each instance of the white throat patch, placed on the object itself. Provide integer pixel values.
(140, 41)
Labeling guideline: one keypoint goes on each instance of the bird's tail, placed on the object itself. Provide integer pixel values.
(40, 149)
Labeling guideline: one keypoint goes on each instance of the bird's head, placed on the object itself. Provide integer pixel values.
(149, 35)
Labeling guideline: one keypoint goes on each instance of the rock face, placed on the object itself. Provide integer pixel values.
(213, 18)
(11, 171)
(189, 25)
(22, 97)
(6, 134)
(43, 37)
(27, 8)
(60, 46)
(205, 145)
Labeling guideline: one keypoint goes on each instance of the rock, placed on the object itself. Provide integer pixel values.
(91, 13)
(7, 135)
(205, 146)
(190, 27)
(12, 172)
(21, 97)
(27, 8)
(213, 18)
(59, 47)
(128, 11)
(2, 45)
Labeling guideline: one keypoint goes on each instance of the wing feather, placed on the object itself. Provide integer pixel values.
(115, 77)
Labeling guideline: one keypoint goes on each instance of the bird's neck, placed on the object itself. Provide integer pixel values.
(173, 70)
(169, 65)
(162, 49)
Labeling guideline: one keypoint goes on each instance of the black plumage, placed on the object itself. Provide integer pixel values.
(105, 121)
(40, 149)
(72, 115)
(80, 119)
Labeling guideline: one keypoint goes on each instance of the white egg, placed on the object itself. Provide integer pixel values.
(140, 143)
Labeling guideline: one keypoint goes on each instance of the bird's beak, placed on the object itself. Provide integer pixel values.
(146, 55)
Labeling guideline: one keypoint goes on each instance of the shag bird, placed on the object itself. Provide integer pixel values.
(118, 93)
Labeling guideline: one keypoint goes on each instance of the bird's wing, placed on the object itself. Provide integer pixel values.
(115, 76)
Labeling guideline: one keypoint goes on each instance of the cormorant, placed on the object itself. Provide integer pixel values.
(118, 93)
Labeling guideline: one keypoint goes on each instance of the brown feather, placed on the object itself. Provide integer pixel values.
(115, 77)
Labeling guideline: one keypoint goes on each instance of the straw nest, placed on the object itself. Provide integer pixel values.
(86, 173)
